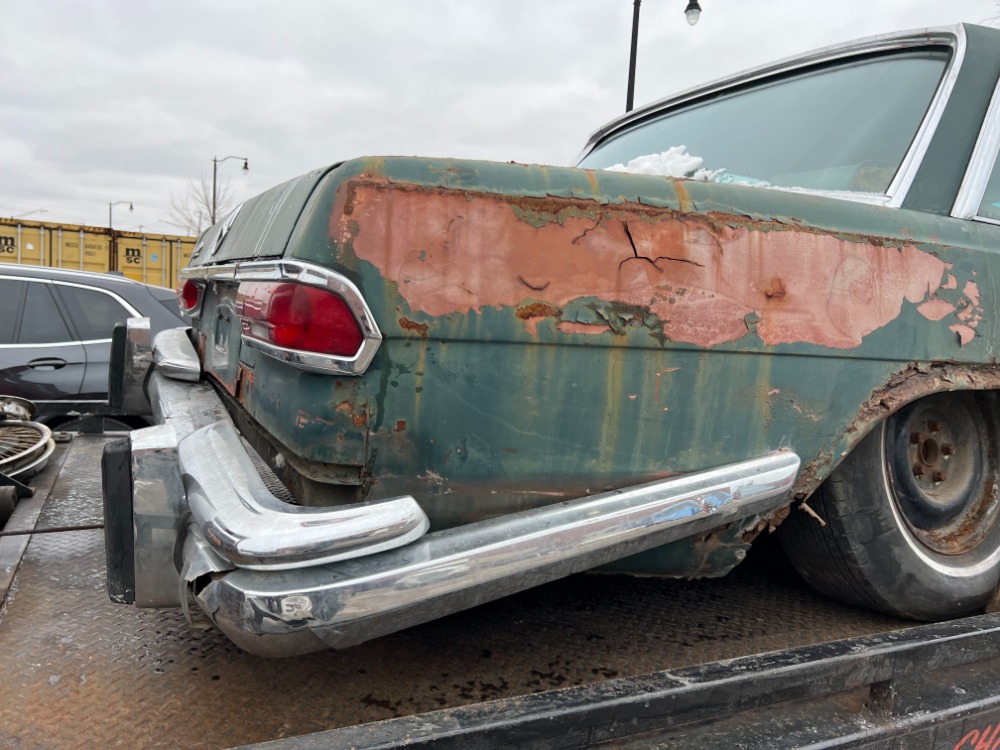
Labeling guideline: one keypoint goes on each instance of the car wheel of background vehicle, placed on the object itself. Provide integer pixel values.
(912, 514)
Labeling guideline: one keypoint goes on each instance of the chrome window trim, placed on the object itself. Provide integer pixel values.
(952, 36)
(873, 199)
(30, 273)
(116, 297)
(313, 275)
(981, 163)
(900, 185)
(73, 342)
(55, 343)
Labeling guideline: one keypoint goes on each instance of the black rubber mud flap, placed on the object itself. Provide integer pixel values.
(116, 366)
(116, 471)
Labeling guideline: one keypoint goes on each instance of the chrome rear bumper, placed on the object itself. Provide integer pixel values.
(282, 580)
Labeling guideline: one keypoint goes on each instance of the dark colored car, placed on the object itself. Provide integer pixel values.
(55, 335)
(474, 377)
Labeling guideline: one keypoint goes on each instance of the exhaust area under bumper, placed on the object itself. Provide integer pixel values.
(281, 580)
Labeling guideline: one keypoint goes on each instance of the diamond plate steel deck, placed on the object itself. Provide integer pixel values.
(79, 671)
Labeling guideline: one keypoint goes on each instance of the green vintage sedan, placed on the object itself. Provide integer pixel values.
(414, 385)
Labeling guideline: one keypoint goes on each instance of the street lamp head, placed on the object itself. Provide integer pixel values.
(692, 12)
(215, 179)
(130, 209)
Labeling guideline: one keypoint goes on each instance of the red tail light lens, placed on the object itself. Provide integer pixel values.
(300, 317)
(189, 295)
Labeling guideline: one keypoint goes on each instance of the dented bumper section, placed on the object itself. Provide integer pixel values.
(281, 580)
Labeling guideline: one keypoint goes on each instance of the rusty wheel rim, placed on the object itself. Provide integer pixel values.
(939, 452)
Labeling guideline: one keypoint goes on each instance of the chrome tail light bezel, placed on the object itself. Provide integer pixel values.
(311, 275)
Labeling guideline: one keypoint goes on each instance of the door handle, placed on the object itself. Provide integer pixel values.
(47, 363)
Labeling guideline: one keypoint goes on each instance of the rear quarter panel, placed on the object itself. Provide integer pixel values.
(552, 331)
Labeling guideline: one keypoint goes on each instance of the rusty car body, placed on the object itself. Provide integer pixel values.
(413, 385)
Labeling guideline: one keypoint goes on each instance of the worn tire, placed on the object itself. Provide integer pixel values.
(912, 514)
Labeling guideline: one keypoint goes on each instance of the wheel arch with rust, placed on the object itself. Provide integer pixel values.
(905, 387)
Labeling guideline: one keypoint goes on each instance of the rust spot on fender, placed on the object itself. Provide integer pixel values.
(244, 382)
(452, 251)
(537, 310)
(400, 426)
(347, 408)
(775, 289)
(409, 325)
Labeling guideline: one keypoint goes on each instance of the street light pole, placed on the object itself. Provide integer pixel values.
(692, 13)
(112, 205)
(631, 61)
(215, 176)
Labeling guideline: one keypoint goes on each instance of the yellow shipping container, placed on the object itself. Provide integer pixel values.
(23, 243)
(153, 259)
(150, 258)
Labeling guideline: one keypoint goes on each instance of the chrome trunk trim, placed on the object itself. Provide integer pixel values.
(345, 603)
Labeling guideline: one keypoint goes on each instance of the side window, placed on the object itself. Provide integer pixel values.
(990, 207)
(93, 313)
(11, 300)
(41, 321)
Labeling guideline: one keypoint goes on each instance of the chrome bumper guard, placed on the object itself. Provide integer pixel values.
(281, 580)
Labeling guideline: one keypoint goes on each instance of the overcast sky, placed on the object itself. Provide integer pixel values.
(104, 101)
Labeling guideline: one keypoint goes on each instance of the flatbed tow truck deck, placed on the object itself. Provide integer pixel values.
(592, 659)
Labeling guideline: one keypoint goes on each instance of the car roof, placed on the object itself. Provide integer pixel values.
(106, 280)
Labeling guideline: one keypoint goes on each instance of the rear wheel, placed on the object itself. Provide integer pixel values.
(913, 518)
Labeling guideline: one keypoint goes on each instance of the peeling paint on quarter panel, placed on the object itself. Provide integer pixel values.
(441, 248)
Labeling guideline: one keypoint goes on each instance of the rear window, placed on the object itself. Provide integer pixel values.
(846, 126)
(167, 298)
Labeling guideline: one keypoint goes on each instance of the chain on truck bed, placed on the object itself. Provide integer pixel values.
(79, 670)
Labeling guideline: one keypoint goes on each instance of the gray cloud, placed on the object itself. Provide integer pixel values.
(108, 100)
